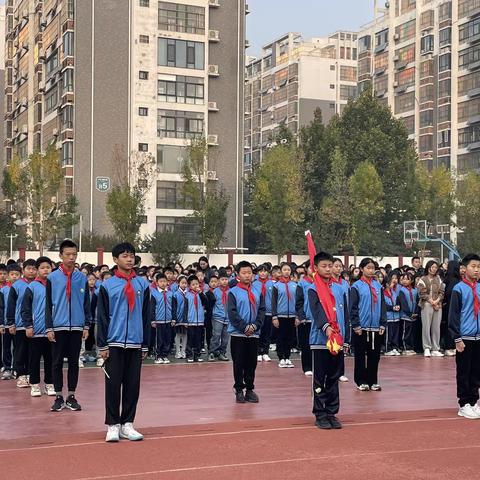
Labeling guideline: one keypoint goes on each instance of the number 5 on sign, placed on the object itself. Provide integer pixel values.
(103, 184)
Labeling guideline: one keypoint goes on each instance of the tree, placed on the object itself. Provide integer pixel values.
(213, 218)
(126, 201)
(166, 247)
(277, 200)
(92, 240)
(36, 185)
(468, 213)
(367, 207)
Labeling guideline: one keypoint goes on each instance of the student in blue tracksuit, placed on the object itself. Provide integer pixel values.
(195, 303)
(3, 282)
(181, 316)
(304, 319)
(368, 320)
(464, 326)
(67, 318)
(15, 324)
(164, 314)
(265, 284)
(246, 312)
(123, 328)
(33, 319)
(408, 300)
(392, 306)
(219, 341)
(283, 315)
(327, 368)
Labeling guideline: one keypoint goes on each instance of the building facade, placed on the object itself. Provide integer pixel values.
(290, 80)
(2, 80)
(113, 80)
(423, 58)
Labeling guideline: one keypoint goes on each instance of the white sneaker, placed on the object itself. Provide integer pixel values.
(308, 374)
(113, 433)
(35, 391)
(409, 353)
(467, 411)
(289, 364)
(80, 364)
(127, 431)
(22, 382)
(294, 350)
(391, 353)
(158, 361)
(450, 353)
(476, 409)
(100, 362)
(49, 389)
(363, 387)
(272, 347)
(343, 378)
(259, 358)
(166, 360)
(426, 353)
(437, 353)
(266, 358)
(397, 353)
(282, 364)
(178, 355)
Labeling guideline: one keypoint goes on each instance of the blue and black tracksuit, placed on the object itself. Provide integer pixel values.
(220, 335)
(408, 300)
(304, 315)
(394, 324)
(464, 327)
(163, 305)
(7, 337)
(267, 336)
(195, 307)
(283, 308)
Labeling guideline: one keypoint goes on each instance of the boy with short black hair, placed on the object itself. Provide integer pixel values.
(219, 341)
(463, 321)
(123, 326)
(265, 284)
(195, 303)
(246, 313)
(67, 321)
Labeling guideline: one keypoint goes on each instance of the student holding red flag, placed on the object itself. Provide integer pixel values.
(368, 317)
(123, 327)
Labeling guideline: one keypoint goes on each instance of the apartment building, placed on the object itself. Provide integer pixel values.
(109, 80)
(424, 60)
(2, 79)
(292, 78)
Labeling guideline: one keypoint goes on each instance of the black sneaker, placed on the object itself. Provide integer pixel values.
(72, 403)
(335, 422)
(240, 397)
(323, 423)
(251, 396)
(58, 404)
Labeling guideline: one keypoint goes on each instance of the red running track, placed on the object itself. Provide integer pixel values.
(194, 430)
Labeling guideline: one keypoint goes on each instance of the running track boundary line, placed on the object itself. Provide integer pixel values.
(233, 432)
(280, 461)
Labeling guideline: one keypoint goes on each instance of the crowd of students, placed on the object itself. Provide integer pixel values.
(117, 316)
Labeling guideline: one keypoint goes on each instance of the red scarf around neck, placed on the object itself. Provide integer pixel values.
(128, 290)
(264, 281)
(251, 296)
(372, 288)
(286, 281)
(476, 303)
(69, 280)
(410, 291)
(224, 291)
(43, 281)
(388, 293)
(308, 279)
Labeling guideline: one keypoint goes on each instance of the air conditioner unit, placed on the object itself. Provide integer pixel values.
(396, 58)
(43, 25)
(395, 84)
(211, 175)
(214, 35)
(213, 70)
(269, 145)
(212, 106)
(41, 86)
(55, 132)
(212, 139)
(214, 3)
(396, 37)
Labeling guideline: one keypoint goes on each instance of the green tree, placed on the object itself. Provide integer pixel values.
(367, 197)
(166, 247)
(468, 213)
(36, 188)
(277, 200)
(126, 200)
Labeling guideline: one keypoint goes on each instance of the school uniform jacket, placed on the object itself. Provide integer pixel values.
(302, 302)
(268, 295)
(392, 315)
(283, 305)
(364, 312)
(5, 292)
(161, 311)
(181, 315)
(462, 322)
(61, 314)
(32, 310)
(219, 312)
(14, 304)
(117, 326)
(345, 286)
(195, 314)
(408, 303)
(2, 309)
(242, 314)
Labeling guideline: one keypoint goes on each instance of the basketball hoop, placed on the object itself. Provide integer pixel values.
(408, 244)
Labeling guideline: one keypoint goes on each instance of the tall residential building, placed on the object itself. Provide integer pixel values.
(2, 79)
(424, 59)
(290, 80)
(109, 80)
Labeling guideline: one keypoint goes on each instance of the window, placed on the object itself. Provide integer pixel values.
(444, 113)
(381, 38)
(332, 67)
(426, 143)
(406, 31)
(470, 161)
(381, 61)
(143, 75)
(51, 100)
(188, 228)
(67, 117)
(406, 77)
(189, 90)
(427, 19)
(364, 44)
(443, 139)
(67, 153)
(445, 12)
(144, 3)
(144, 39)
(71, 9)
(364, 66)
(407, 5)
(143, 147)
(143, 111)
(406, 54)
(468, 109)
(409, 124)
(426, 93)
(426, 118)
(445, 62)
(179, 124)
(469, 56)
(469, 29)
(332, 86)
(180, 53)
(466, 7)
(181, 18)
(426, 44)
(444, 88)
(426, 69)
(348, 91)
(52, 63)
(405, 102)
(348, 74)
(68, 44)
(169, 195)
(170, 159)
(468, 82)
(381, 84)
(469, 135)
(445, 37)
(142, 183)
(67, 80)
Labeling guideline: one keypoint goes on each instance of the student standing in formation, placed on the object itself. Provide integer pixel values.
(15, 323)
(219, 342)
(283, 315)
(246, 313)
(210, 296)
(392, 305)
(163, 317)
(195, 302)
(3, 283)
(304, 319)
(463, 322)
(123, 314)
(33, 319)
(181, 316)
(265, 285)
(326, 304)
(408, 300)
(368, 320)
(67, 320)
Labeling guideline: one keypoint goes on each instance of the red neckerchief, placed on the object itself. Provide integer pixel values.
(339, 281)
(43, 281)
(164, 292)
(308, 279)
(69, 280)
(410, 291)
(195, 298)
(251, 296)
(264, 281)
(476, 303)
(372, 289)
(128, 290)
(23, 279)
(388, 293)
(286, 281)
(169, 286)
(224, 291)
